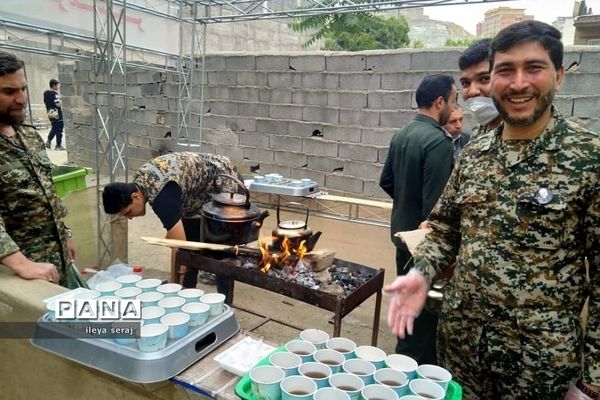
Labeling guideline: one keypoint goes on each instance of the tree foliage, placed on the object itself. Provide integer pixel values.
(460, 42)
(354, 31)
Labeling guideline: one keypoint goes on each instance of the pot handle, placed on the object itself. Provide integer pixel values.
(240, 185)
(297, 205)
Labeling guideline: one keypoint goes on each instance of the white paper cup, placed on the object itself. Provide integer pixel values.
(171, 304)
(435, 373)
(319, 373)
(427, 389)
(362, 368)
(153, 337)
(265, 382)
(177, 323)
(331, 358)
(198, 313)
(51, 309)
(191, 295)
(298, 388)
(301, 348)
(129, 280)
(378, 392)
(288, 362)
(316, 337)
(215, 301)
(150, 298)
(108, 288)
(342, 345)
(348, 383)
(87, 295)
(394, 379)
(169, 289)
(120, 324)
(148, 285)
(372, 354)
(411, 397)
(129, 292)
(152, 315)
(402, 363)
(330, 393)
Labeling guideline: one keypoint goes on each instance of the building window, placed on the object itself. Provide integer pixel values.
(594, 42)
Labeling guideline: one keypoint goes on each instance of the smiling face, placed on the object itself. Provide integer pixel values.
(475, 80)
(13, 98)
(524, 82)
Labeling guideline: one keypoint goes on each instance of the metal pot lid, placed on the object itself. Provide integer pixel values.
(228, 212)
(292, 224)
(233, 199)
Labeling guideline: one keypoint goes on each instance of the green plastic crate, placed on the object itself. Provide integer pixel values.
(68, 179)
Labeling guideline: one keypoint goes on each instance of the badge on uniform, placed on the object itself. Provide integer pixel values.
(543, 196)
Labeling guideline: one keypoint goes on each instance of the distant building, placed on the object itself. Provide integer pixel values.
(430, 32)
(499, 18)
(566, 26)
(587, 30)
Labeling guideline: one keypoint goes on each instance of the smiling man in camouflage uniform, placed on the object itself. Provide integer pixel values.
(33, 238)
(523, 212)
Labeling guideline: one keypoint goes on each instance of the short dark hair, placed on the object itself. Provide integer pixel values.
(117, 195)
(529, 31)
(477, 52)
(53, 82)
(9, 63)
(432, 87)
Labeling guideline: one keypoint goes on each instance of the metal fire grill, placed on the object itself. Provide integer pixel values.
(339, 305)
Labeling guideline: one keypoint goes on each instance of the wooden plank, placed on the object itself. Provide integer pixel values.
(354, 200)
(184, 244)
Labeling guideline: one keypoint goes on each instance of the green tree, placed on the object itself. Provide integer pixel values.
(460, 42)
(354, 31)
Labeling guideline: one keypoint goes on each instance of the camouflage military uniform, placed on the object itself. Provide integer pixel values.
(31, 213)
(193, 172)
(521, 215)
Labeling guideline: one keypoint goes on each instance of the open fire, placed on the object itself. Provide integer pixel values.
(287, 257)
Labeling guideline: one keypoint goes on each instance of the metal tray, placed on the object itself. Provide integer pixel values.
(285, 186)
(127, 361)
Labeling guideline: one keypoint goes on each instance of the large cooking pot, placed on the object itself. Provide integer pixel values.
(229, 218)
(296, 231)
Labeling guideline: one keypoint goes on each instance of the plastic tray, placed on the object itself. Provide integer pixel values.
(244, 387)
(243, 355)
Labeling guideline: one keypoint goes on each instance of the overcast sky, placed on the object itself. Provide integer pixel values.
(469, 15)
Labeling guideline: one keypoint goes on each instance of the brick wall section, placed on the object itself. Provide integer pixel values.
(320, 115)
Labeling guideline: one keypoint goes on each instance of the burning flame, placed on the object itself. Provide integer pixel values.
(281, 259)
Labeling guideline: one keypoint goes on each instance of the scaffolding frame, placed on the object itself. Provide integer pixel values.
(109, 54)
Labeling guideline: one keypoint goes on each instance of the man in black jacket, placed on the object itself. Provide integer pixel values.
(418, 165)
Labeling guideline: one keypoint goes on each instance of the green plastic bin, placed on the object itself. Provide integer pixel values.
(68, 179)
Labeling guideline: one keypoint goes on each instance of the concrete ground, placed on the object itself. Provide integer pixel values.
(363, 244)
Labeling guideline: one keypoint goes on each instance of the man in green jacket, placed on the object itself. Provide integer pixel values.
(418, 165)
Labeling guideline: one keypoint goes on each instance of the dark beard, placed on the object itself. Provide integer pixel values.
(523, 122)
(7, 119)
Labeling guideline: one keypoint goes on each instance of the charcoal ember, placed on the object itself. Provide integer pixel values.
(334, 289)
(347, 279)
(249, 265)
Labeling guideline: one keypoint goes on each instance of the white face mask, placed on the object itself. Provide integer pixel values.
(483, 109)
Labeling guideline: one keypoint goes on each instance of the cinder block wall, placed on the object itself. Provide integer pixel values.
(324, 115)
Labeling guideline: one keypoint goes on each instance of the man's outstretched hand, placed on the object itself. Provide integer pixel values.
(409, 294)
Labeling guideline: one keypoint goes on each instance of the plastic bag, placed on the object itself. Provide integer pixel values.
(115, 270)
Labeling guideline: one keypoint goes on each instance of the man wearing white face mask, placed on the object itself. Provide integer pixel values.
(476, 86)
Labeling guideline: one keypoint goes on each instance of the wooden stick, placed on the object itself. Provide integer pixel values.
(185, 244)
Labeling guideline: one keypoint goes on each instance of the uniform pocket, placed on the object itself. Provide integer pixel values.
(540, 225)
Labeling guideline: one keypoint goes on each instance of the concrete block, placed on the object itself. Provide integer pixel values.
(564, 104)
(243, 94)
(270, 168)
(224, 137)
(284, 79)
(401, 80)
(310, 97)
(252, 78)
(222, 78)
(307, 63)
(382, 154)
(348, 134)
(241, 124)
(272, 63)
(258, 155)
(359, 118)
(167, 89)
(253, 110)
(214, 122)
(592, 124)
(377, 137)
(147, 77)
(586, 107)
(345, 183)
(325, 164)
(317, 80)
(589, 61)
(215, 92)
(290, 159)
(285, 112)
(214, 63)
(277, 142)
(223, 108)
(320, 114)
(271, 126)
(254, 140)
(395, 119)
(357, 100)
(363, 169)
(373, 190)
(240, 63)
(389, 62)
(381, 100)
(364, 81)
(305, 129)
(138, 141)
(581, 84)
(209, 148)
(277, 96)
(302, 173)
(235, 153)
(570, 57)
(338, 63)
(441, 60)
(355, 152)
(320, 147)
